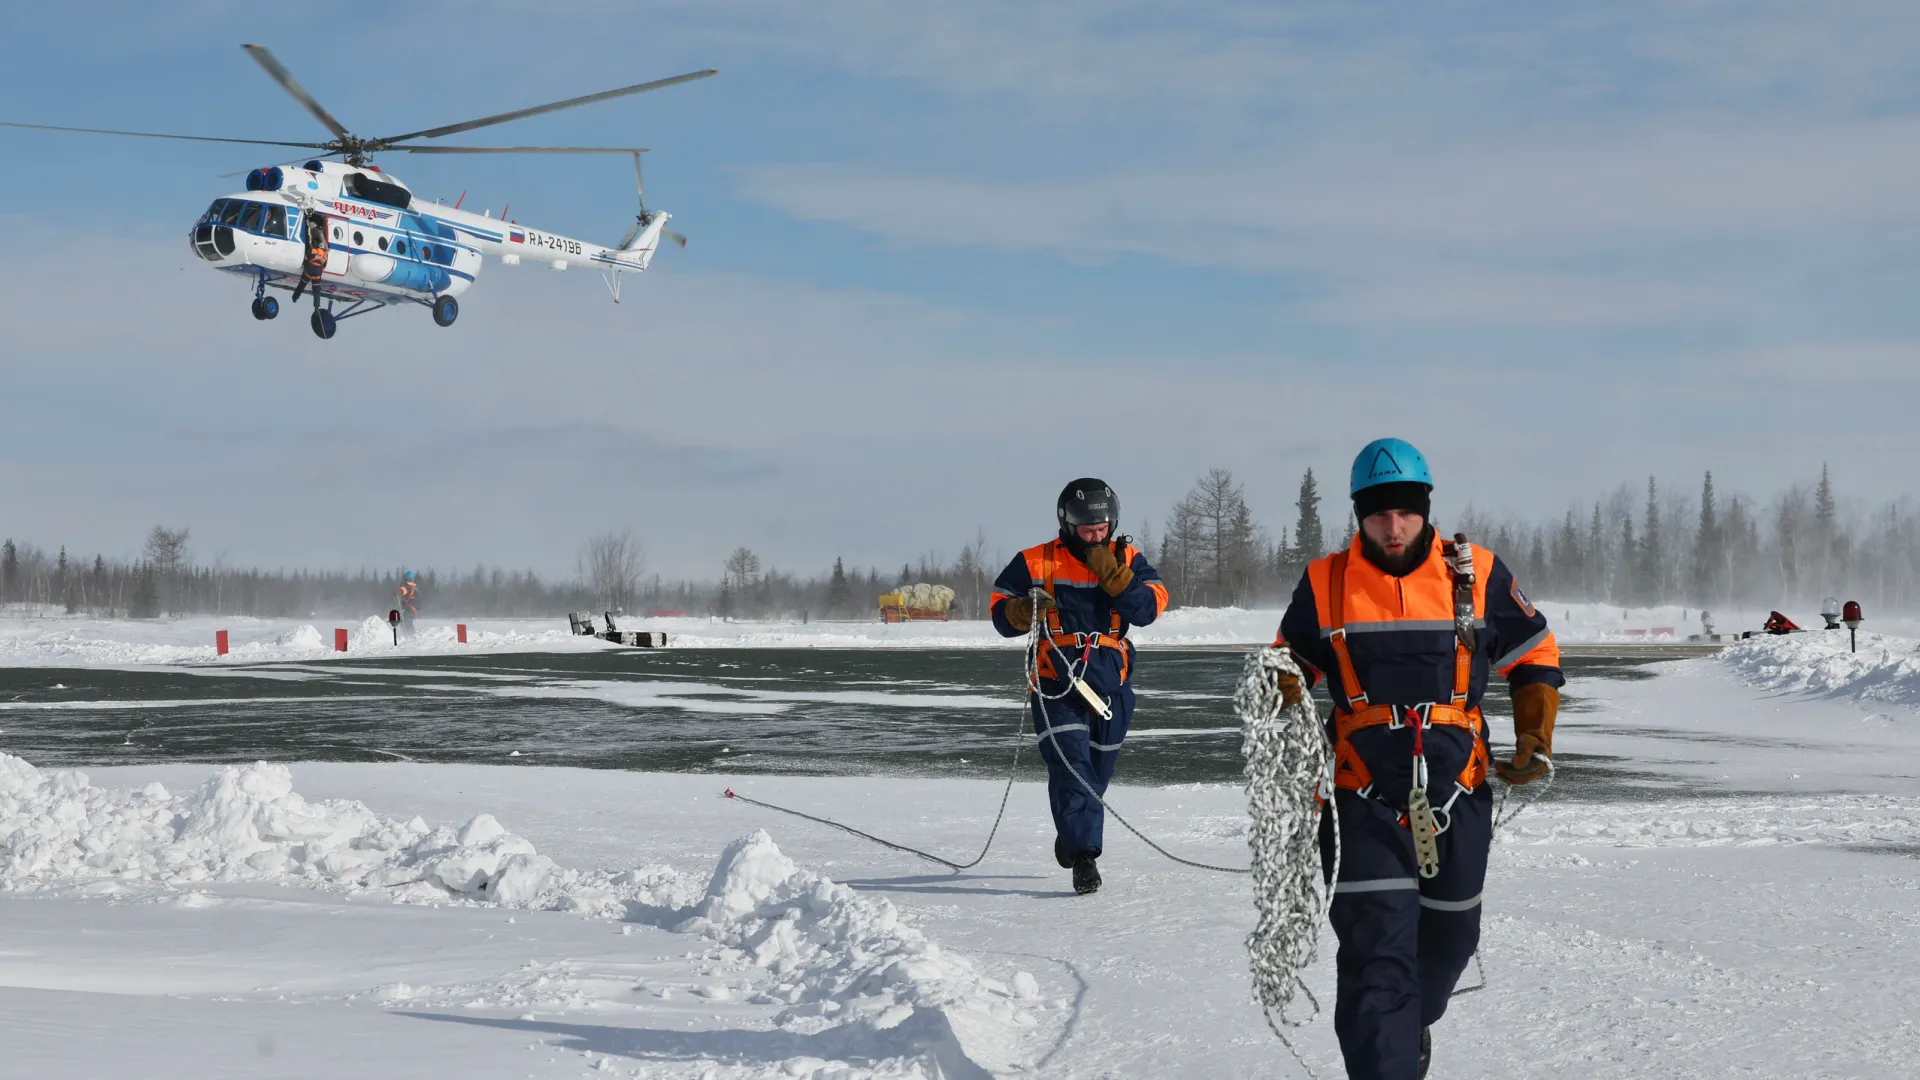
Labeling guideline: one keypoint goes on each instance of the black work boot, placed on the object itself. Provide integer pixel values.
(1086, 876)
(1426, 1051)
(1060, 854)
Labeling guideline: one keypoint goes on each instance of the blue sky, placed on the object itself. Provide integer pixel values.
(945, 257)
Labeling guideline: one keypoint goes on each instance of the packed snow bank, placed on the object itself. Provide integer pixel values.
(836, 964)
(83, 642)
(1820, 663)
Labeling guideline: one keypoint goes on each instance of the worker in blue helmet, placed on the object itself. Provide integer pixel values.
(407, 597)
(1407, 629)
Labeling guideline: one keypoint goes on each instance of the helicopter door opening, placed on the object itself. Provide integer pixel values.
(314, 263)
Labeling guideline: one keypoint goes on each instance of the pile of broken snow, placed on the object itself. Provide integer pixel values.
(1820, 663)
(840, 966)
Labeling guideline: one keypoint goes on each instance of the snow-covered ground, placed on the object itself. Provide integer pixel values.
(1743, 905)
(60, 641)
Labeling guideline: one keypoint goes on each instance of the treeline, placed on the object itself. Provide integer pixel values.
(164, 580)
(1637, 546)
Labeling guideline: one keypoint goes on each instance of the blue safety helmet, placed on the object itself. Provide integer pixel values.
(409, 575)
(1389, 461)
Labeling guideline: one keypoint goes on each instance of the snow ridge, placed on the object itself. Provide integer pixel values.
(1819, 663)
(840, 966)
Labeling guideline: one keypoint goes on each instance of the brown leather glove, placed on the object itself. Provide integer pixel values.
(1534, 707)
(1114, 578)
(1019, 610)
(1292, 690)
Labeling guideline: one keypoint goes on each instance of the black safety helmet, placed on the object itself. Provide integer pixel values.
(1087, 501)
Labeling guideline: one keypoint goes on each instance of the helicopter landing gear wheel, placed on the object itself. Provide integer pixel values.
(445, 310)
(266, 308)
(258, 313)
(323, 324)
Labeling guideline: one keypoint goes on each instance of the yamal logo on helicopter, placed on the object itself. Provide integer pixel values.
(353, 238)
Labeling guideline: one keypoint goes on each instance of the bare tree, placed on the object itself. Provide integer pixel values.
(166, 552)
(610, 565)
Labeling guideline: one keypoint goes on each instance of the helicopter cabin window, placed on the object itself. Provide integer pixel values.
(383, 243)
(362, 186)
(399, 247)
(250, 217)
(230, 213)
(336, 232)
(359, 240)
(277, 221)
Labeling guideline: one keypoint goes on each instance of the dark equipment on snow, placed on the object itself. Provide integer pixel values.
(581, 623)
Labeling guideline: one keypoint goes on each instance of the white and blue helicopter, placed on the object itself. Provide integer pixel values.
(353, 237)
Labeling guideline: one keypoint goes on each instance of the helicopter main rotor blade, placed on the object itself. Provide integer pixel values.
(638, 88)
(518, 149)
(285, 78)
(158, 135)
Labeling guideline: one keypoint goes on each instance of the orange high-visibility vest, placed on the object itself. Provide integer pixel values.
(1429, 600)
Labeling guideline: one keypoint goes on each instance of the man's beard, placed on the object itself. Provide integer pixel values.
(1409, 558)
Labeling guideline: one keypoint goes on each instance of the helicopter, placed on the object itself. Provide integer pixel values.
(353, 237)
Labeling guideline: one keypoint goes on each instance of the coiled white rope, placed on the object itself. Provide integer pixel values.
(1289, 767)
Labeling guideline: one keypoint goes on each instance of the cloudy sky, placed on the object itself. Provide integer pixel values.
(946, 256)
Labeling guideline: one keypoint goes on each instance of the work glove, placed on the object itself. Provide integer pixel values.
(1019, 610)
(1534, 707)
(1292, 690)
(1114, 578)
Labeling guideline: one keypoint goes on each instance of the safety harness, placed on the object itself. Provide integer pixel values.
(1350, 770)
(1061, 640)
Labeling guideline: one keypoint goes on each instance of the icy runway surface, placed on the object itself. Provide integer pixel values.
(1739, 898)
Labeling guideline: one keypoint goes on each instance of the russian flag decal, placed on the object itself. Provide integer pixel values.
(517, 236)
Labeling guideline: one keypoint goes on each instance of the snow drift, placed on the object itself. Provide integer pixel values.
(1819, 663)
(836, 964)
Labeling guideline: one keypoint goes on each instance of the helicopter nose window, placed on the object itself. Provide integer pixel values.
(250, 218)
(383, 243)
(230, 213)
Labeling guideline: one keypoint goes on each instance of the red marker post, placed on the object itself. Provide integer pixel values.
(220, 642)
(340, 640)
(460, 632)
(1852, 617)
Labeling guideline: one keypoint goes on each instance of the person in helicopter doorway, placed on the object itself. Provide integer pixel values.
(1087, 587)
(1408, 628)
(407, 599)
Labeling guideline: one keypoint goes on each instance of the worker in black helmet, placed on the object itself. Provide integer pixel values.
(1093, 586)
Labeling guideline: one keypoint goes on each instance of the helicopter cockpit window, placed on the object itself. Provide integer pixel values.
(213, 212)
(276, 221)
(362, 186)
(250, 217)
(230, 213)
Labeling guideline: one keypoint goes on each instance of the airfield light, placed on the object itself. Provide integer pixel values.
(1852, 617)
(1830, 611)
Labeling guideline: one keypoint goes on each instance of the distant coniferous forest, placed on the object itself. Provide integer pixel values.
(1637, 546)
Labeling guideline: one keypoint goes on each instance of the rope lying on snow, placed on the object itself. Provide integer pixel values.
(1038, 701)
